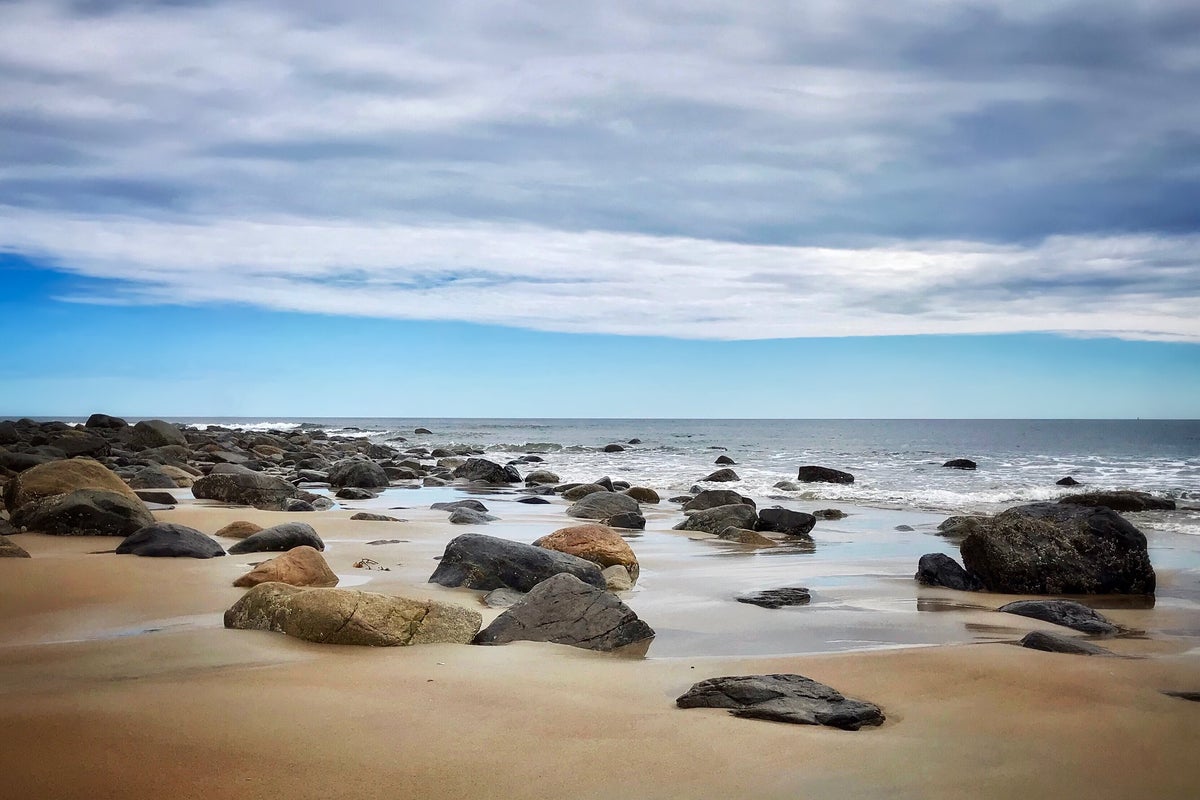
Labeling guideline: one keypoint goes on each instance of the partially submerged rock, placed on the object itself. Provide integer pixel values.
(715, 520)
(279, 538)
(300, 566)
(782, 698)
(776, 598)
(367, 516)
(1067, 613)
(960, 463)
(1058, 643)
(939, 569)
(815, 474)
(476, 561)
(712, 498)
(786, 521)
(467, 516)
(484, 471)
(603, 505)
(169, 540)
(1120, 501)
(746, 536)
(599, 544)
(722, 476)
(358, 473)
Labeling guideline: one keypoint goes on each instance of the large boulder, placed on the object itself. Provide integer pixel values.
(476, 561)
(643, 494)
(151, 478)
(1120, 501)
(245, 488)
(300, 566)
(542, 476)
(599, 544)
(168, 540)
(484, 471)
(84, 512)
(959, 526)
(565, 610)
(814, 474)
(1048, 548)
(279, 538)
(360, 474)
(151, 433)
(61, 477)
(712, 498)
(603, 505)
(345, 616)
(239, 529)
(715, 520)
(778, 519)
(105, 421)
(10, 549)
(583, 490)
(1067, 613)
(782, 698)
(939, 569)
(80, 443)
(722, 476)
(961, 463)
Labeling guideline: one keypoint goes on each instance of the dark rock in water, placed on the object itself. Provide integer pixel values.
(685, 499)
(361, 474)
(784, 520)
(960, 463)
(151, 478)
(722, 476)
(715, 520)
(939, 569)
(613, 448)
(468, 516)
(711, 498)
(565, 610)
(1192, 696)
(105, 421)
(10, 549)
(629, 521)
(168, 540)
(958, 527)
(1067, 481)
(155, 433)
(1048, 548)
(366, 516)
(814, 474)
(603, 505)
(1057, 643)
(782, 698)
(904, 528)
(279, 538)
(634, 441)
(295, 504)
(605, 483)
(245, 488)
(355, 493)
(423, 431)
(475, 561)
(583, 490)
(502, 598)
(776, 598)
(480, 469)
(1120, 501)
(1067, 613)
(829, 514)
(84, 512)
(161, 498)
(725, 461)
(474, 505)
(533, 501)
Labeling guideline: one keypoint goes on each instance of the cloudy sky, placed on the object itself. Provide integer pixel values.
(940, 208)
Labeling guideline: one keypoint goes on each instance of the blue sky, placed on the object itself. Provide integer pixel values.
(662, 208)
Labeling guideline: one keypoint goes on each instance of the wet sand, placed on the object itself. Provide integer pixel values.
(117, 680)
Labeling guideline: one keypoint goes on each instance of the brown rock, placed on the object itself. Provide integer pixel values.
(238, 530)
(643, 494)
(10, 549)
(62, 477)
(745, 536)
(599, 544)
(300, 566)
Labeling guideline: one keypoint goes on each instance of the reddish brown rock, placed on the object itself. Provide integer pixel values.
(599, 544)
(300, 566)
(238, 530)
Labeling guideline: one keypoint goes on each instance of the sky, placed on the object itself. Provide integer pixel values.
(919, 208)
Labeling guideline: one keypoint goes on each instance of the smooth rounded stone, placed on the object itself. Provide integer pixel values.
(473, 505)
(815, 474)
(10, 549)
(1067, 613)
(476, 561)
(434, 481)
(788, 486)
(239, 529)
(603, 505)
(565, 610)
(961, 463)
(279, 538)
(402, 473)
(605, 483)
(582, 490)
(715, 520)
(939, 569)
(84, 512)
(616, 578)
(904, 528)
(1058, 643)
(355, 493)
(542, 476)
(725, 461)
(245, 488)
(105, 421)
(295, 504)
(300, 566)
(156, 433)
(366, 516)
(613, 448)
(960, 526)
(169, 540)
(158, 498)
(480, 469)
(599, 544)
(1067, 481)
(80, 443)
(423, 431)
(628, 521)
(830, 514)
(151, 478)
(1120, 501)
(722, 476)
(349, 617)
(782, 698)
(533, 501)
(1049, 548)
(643, 494)
(62, 477)
(712, 498)
(468, 516)
(502, 598)
(778, 519)
(746, 536)
(634, 441)
(776, 598)
(360, 474)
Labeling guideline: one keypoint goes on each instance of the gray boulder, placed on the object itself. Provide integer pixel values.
(1120, 501)
(151, 478)
(715, 520)
(80, 443)
(279, 538)
(1057, 643)
(784, 520)
(468, 516)
(815, 474)
(155, 433)
(105, 421)
(1067, 613)
(482, 470)
(84, 512)
(776, 598)
(712, 498)
(360, 474)
(782, 698)
(245, 488)
(603, 505)
(474, 505)
(354, 493)
(168, 540)
(476, 561)
(939, 569)
(722, 476)
(583, 490)
(630, 520)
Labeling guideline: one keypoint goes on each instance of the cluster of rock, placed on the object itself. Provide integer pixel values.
(733, 517)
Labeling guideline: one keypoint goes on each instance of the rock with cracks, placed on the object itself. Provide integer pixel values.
(782, 698)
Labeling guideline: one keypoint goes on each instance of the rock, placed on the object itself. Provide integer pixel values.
(1057, 643)
(1067, 613)
(475, 561)
(245, 488)
(603, 505)
(480, 469)
(1120, 501)
(958, 527)
(360, 474)
(616, 578)
(312, 476)
(725, 460)
(295, 504)
(423, 431)
(613, 448)
(643, 494)
(776, 598)
(1048, 548)
(599, 544)
(474, 505)
(782, 698)
(105, 421)
(813, 474)
(467, 516)
(628, 521)
(745, 536)
(10, 549)
(830, 514)
(939, 569)
(1182, 695)
(18, 462)
(565, 610)
(715, 520)
(168, 540)
(533, 501)
(158, 498)
(80, 443)
(582, 490)
(712, 498)
(366, 516)
(355, 493)
(960, 463)
(62, 477)
(502, 598)
(300, 566)
(155, 433)
(238, 530)
(84, 512)
(634, 441)
(8, 432)
(904, 528)
(682, 499)
(183, 479)
(279, 538)
(787, 486)
(722, 476)
(605, 483)
(345, 616)
(777, 519)
(151, 478)
(1067, 481)
(542, 476)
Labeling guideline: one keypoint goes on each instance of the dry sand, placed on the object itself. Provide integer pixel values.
(117, 680)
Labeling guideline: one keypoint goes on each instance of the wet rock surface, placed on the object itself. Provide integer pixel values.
(782, 698)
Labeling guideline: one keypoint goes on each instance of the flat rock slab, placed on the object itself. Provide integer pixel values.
(1058, 643)
(782, 698)
(369, 517)
(1120, 501)
(474, 505)
(777, 598)
(1067, 613)
(467, 516)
